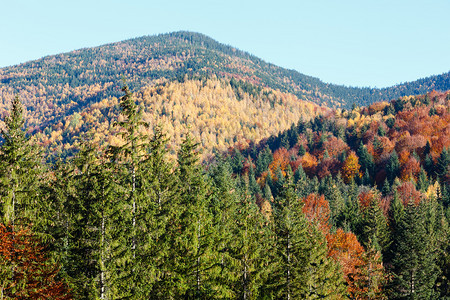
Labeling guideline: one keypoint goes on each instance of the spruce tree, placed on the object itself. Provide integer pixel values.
(366, 160)
(90, 202)
(393, 167)
(224, 208)
(414, 266)
(442, 164)
(248, 265)
(19, 171)
(375, 226)
(325, 276)
(290, 226)
(422, 181)
(188, 235)
(135, 209)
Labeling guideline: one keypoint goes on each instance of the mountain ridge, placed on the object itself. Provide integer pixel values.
(195, 54)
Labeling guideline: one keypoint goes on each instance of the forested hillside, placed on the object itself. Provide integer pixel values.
(219, 114)
(376, 180)
(57, 86)
(350, 204)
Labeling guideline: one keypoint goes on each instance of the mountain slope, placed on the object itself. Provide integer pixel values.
(61, 87)
(176, 55)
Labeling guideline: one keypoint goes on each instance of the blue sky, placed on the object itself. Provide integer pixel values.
(351, 42)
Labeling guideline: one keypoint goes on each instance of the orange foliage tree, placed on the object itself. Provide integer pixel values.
(410, 169)
(25, 271)
(317, 210)
(345, 248)
(280, 160)
(309, 163)
(363, 272)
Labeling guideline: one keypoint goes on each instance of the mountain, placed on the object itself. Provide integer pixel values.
(60, 88)
(176, 55)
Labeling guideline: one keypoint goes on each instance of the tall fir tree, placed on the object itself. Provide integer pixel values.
(20, 169)
(135, 210)
(413, 266)
(248, 259)
(188, 233)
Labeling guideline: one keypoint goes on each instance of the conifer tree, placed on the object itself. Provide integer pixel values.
(442, 163)
(19, 170)
(249, 262)
(224, 209)
(325, 275)
(90, 204)
(366, 160)
(135, 210)
(414, 266)
(422, 181)
(375, 226)
(396, 215)
(253, 185)
(292, 250)
(393, 167)
(188, 233)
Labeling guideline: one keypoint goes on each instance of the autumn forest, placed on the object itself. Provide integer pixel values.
(175, 167)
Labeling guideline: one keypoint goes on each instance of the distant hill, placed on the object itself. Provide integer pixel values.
(56, 87)
(178, 55)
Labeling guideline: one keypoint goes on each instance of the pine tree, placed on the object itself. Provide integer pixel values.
(292, 248)
(188, 235)
(19, 171)
(135, 210)
(414, 266)
(248, 265)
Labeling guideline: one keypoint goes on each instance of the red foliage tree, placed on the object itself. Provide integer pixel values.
(328, 166)
(407, 192)
(410, 169)
(365, 198)
(25, 271)
(334, 146)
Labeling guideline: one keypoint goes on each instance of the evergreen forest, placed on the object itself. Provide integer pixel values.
(346, 204)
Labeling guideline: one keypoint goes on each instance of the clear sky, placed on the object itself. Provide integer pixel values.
(373, 43)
